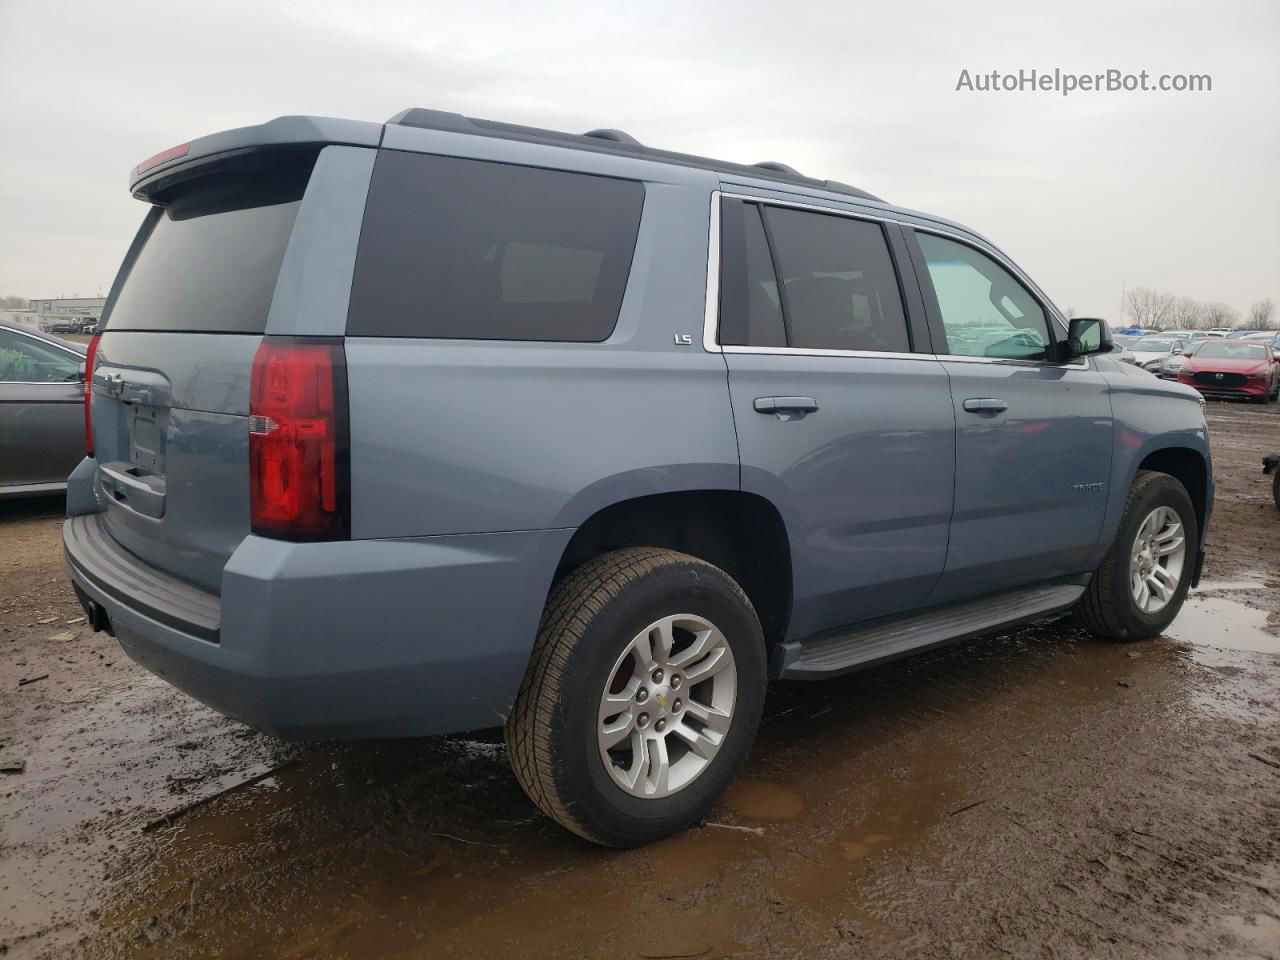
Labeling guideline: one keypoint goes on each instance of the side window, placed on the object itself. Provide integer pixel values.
(750, 311)
(24, 360)
(985, 311)
(839, 288)
(470, 249)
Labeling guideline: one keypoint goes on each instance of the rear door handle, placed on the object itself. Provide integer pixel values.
(786, 408)
(989, 406)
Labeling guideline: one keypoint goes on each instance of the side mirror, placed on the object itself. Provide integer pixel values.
(1087, 335)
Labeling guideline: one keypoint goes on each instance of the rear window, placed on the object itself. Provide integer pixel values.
(469, 249)
(211, 256)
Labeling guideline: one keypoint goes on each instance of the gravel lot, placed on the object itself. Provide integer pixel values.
(1033, 794)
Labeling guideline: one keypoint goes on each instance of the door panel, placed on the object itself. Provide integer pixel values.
(1033, 437)
(41, 431)
(1031, 480)
(864, 483)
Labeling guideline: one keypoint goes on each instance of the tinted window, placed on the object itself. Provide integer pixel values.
(212, 256)
(469, 249)
(839, 289)
(986, 312)
(750, 313)
(27, 360)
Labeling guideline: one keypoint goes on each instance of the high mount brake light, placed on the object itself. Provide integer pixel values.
(90, 355)
(299, 463)
(164, 156)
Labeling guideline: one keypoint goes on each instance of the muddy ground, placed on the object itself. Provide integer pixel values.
(1034, 794)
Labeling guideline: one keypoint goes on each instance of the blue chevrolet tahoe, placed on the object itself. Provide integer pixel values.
(444, 424)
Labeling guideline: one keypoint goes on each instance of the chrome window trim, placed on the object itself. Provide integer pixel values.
(711, 315)
(810, 352)
(1082, 363)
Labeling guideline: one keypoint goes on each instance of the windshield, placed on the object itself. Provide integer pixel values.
(1232, 350)
(1153, 346)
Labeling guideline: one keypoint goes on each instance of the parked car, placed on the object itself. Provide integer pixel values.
(1150, 353)
(440, 424)
(61, 326)
(1229, 369)
(1266, 336)
(41, 411)
(1171, 366)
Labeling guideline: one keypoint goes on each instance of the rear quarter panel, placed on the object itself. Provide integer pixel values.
(470, 436)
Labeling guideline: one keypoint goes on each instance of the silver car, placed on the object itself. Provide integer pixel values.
(1150, 353)
(41, 411)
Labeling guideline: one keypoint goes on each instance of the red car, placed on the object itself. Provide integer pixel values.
(1233, 368)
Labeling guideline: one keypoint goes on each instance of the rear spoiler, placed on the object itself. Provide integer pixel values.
(153, 176)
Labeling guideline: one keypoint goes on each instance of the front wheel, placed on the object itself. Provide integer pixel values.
(1140, 586)
(642, 696)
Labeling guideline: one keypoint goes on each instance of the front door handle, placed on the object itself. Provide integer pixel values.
(987, 406)
(786, 408)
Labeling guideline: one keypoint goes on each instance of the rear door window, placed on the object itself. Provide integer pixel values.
(750, 310)
(211, 256)
(839, 289)
(470, 249)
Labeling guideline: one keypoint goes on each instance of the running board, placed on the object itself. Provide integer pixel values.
(833, 654)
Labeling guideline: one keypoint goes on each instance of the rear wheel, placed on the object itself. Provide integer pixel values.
(642, 696)
(1143, 580)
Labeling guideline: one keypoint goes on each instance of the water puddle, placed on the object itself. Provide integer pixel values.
(761, 800)
(1254, 582)
(1227, 623)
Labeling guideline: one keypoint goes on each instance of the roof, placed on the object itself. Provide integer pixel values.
(615, 142)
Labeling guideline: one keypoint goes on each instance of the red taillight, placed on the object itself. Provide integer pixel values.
(298, 458)
(88, 393)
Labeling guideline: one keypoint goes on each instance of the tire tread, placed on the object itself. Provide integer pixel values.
(573, 604)
(1098, 609)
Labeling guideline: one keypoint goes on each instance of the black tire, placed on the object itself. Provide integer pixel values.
(590, 618)
(1275, 488)
(1107, 608)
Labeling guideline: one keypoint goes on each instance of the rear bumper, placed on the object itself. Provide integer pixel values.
(364, 638)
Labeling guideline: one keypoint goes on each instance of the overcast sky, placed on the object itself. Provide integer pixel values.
(1178, 191)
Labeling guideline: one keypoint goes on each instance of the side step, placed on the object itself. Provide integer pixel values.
(832, 654)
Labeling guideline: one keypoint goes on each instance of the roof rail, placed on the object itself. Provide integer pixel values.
(606, 140)
(617, 136)
(779, 167)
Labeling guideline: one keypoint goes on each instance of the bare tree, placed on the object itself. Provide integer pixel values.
(1262, 314)
(1148, 308)
(1218, 315)
(1186, 313)
(13, 303)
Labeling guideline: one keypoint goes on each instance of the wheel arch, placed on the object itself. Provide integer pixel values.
(1190, 468)
(741, 533)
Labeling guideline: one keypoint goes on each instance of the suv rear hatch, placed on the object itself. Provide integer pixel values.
(171, 377)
